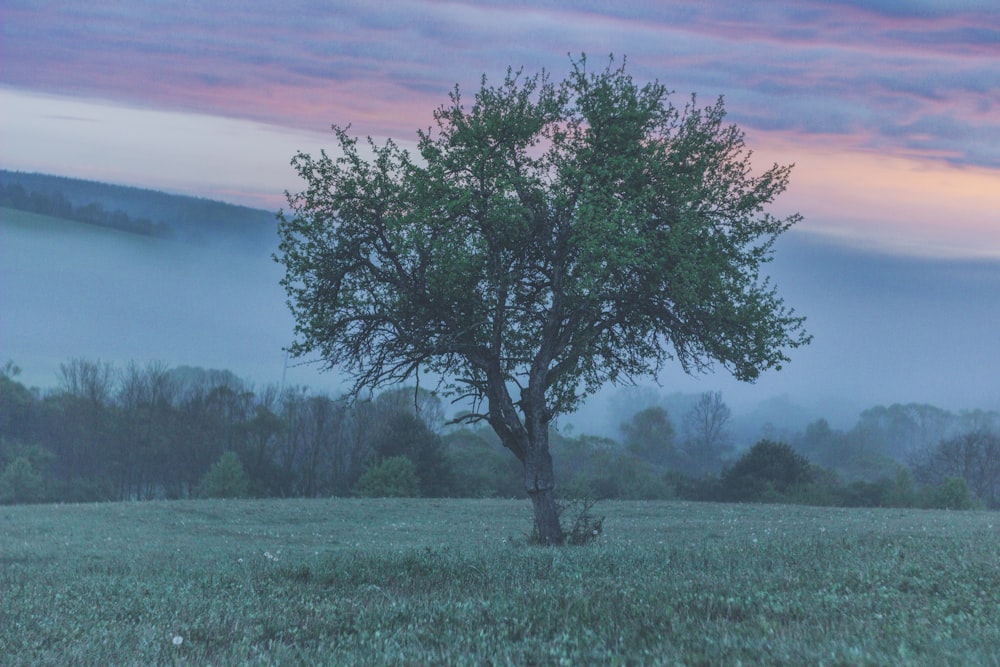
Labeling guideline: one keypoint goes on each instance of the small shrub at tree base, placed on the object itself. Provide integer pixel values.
(585, 527)
(225, 479)
(394, 477)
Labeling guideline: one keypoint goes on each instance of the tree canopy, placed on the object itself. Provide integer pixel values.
(549, 238)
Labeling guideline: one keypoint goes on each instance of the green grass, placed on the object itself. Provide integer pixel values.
(419, 582)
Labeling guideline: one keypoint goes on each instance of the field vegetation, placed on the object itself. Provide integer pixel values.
(434, 581)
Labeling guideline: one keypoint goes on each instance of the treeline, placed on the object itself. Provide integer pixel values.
(55, 204)
(911, 455)
(148, 432)
(184, 218)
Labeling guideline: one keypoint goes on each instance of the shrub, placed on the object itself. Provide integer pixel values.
(767, 472)
(407, 436)
(482, 468)
(586, 527)
(623, 476)
(951, 494)
(19, 483)
(225, 479)
(394, 477)
(582, 528)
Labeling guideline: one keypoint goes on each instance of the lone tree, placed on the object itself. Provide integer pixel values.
(551, 237)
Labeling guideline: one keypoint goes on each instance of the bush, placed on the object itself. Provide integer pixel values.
(618, 475)
(586, 527)
(581, 528)
(897, 491)
(394, 477)
(767, 472)
(483, 469)
(225, 479)
(951, 494)
(19, 483)
(702, 489)
(407, 436)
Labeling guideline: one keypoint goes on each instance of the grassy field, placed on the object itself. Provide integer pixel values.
(421, 582)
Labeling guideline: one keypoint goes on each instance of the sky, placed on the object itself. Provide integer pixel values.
(889, 110)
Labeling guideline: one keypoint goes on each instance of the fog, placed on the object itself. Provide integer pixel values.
(71, 290)
(887, 329)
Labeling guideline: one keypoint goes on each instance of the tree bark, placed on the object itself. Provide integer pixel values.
(547, 527)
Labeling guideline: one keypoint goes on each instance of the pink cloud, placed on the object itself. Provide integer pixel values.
(865, 79)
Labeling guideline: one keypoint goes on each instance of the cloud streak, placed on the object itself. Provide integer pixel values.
(919, 83)
(303, 63)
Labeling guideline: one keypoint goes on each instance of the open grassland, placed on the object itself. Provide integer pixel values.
(420, 582)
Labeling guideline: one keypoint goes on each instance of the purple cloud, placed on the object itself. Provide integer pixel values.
(880, 75)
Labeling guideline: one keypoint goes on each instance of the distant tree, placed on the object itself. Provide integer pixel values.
(979, 420)
(225, 479)
(650, 436)
(900, 431)
(394, 477)
(92, 214)
(79, 430)
(972, 457)
(18, 405)
(420, 403)
(820, 443)
(147, 432)
(263, 432)
(551, 238)
(13, 195)
(707, 436)
(321, 454)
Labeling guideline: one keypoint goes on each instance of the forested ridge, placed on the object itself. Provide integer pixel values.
(138, 211)
(150, 432)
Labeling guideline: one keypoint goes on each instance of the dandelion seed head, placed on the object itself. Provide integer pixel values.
(178, 640)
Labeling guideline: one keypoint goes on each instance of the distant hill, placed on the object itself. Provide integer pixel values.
(139, 211)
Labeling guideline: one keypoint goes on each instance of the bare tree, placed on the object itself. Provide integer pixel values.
(707, 436)
(974, 457)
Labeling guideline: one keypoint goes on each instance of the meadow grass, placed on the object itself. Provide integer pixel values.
(423, 582)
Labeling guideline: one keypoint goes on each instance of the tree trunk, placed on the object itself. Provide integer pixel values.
(529, 441)
(539, 480)
(547, 526)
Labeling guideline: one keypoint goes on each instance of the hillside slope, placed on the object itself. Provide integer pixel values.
(189, 219)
